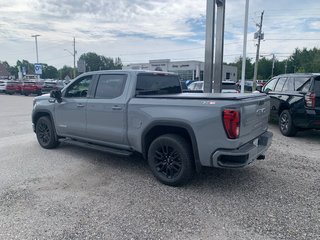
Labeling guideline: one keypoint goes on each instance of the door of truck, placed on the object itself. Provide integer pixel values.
(70, 114)
(106, 110)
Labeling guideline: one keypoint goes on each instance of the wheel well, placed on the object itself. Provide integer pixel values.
(184, 132)
(157, 131)
(281, 108)
(39, 115)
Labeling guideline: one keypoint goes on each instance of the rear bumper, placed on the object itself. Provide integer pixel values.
(241, 157)
(313, 119)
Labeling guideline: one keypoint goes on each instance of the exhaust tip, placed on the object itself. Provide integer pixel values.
(261, 157)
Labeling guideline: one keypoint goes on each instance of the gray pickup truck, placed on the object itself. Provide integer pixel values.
(124, 112)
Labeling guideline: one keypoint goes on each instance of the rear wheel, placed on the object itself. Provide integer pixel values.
(286, 125)
(45, 133)
(171, 160)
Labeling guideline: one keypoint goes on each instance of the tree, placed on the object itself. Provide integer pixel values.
(65, 71)
(249, 67)
(49, 72)
(95, 62)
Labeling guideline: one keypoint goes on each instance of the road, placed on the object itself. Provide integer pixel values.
(74, 193)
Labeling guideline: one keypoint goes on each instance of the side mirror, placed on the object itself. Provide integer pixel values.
(56, 94)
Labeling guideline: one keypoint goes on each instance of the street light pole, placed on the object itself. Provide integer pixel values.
(36, 40)
(244, 55)
(209, 49)
(73, 54)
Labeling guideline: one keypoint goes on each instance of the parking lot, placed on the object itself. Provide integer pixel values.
(75, 193)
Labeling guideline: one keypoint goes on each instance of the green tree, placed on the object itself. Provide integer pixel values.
(65, 71)
(249, 67)
(49, 72)
(95, 62)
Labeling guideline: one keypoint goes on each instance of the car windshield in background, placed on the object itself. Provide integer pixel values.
(229, 85)
(156, 84)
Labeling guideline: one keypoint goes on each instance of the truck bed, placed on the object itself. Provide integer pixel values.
(208, 96)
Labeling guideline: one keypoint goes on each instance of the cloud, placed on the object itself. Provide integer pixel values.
(137, 30)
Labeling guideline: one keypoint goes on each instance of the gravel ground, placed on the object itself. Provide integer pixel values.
(74, 193)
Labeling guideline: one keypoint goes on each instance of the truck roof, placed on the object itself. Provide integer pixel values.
(128, 71)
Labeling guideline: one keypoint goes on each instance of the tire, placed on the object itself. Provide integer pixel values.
(45, 132)
(171, 160)
(286, 125)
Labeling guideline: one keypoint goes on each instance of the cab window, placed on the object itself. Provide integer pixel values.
(289, 85)
(280, 84)
(110, 86)
(80, 88)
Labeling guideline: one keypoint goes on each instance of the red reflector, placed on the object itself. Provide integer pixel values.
(231, 121)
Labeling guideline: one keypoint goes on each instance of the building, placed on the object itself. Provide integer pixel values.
(4, 74)
(187, 70)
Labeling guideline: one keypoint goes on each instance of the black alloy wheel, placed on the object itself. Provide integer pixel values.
(286, 125)
(45, 133)
(171, 160)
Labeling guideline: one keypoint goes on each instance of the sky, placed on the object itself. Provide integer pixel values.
(139, 30)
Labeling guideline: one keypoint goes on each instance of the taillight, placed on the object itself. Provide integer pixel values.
(231, 121)
(310, 100)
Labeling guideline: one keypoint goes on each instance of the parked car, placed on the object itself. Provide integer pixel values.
(52, 85)
(13, 87)
(227, 87)
(31, 87)
(295, 102)
(123, 112)
(3, 85)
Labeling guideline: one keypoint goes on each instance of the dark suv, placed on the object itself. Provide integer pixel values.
(295, 101)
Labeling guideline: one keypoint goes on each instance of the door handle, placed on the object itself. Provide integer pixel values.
(79, 105)
(116, 107)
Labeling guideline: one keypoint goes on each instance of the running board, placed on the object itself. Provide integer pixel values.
(96, 147)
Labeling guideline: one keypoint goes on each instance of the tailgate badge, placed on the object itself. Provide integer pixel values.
(261, 111)
(208, 102)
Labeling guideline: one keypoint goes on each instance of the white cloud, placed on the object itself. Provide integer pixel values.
(140, 30)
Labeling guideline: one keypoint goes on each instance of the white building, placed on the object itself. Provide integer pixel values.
(188, 70)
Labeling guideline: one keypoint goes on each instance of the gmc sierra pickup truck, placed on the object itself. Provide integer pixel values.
(123, 112)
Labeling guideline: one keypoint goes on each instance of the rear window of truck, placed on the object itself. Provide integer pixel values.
(157, 84)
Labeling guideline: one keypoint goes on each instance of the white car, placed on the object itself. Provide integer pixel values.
(3, 85)
(227, 86)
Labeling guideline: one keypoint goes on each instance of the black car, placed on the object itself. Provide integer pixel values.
(295, 102)
(52, 85)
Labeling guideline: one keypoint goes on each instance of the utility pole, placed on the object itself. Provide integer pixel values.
(73, 54)
(36, 40)
(258, 35)
(273, 60)
(286, 66)
(74, 57)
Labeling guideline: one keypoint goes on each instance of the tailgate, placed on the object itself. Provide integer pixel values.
(254, 117)
(317, 93)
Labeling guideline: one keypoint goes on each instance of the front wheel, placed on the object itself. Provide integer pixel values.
(171, 160)
(286, 125)
(46, 134)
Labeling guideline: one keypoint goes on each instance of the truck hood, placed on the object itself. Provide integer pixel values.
(43, 97)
